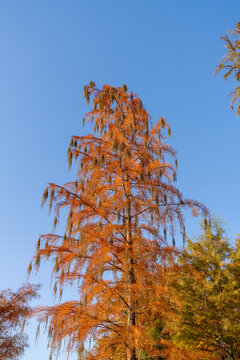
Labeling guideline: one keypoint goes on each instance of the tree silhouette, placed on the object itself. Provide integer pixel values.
(121, 207)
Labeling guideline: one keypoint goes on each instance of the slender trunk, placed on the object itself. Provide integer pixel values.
(131, 320)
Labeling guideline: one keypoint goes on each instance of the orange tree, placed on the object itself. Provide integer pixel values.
(121, 207)
(14, 308)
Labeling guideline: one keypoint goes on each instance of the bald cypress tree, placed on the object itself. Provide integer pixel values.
(121, 206)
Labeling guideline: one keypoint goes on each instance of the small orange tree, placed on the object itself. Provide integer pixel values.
(120, 208)
(14, 308)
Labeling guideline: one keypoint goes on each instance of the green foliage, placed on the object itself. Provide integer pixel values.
(207, 280)
(157, 333)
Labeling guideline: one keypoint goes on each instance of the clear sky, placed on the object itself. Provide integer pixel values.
(165, 51)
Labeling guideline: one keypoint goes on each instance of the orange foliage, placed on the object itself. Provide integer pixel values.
(121, 207)
(14, 308)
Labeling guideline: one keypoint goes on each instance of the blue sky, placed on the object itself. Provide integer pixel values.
(165, 51)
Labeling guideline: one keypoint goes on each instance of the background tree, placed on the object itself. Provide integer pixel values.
(14, 308)
(233, 296)
(206, 281)
(121, 206)
(230, 63)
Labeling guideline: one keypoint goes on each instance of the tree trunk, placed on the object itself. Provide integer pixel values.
(131, 320)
